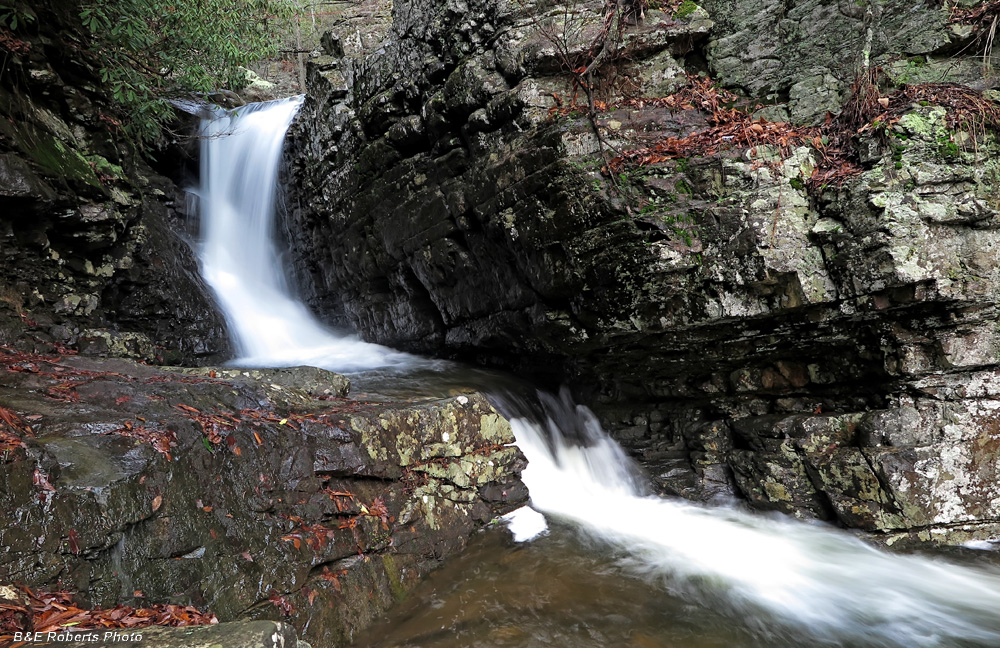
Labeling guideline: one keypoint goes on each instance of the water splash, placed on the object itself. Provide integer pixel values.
(240, 158)
(806, 579)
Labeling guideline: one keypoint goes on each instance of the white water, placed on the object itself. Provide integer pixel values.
(240, 156)
(810, 578)
(770, 572)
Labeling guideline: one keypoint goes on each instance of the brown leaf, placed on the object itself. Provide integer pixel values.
(41, 479)
(74, 544)
(157, 502)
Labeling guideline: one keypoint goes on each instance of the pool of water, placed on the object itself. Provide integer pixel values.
(558, 590)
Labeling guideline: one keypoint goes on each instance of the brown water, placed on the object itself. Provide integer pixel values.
(555, 591)
(563, 591)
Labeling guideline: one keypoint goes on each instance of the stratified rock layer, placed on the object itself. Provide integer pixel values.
(249, 493)
(91, 251)
(830, 354)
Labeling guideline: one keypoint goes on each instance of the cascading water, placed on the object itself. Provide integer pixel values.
(240, 158)
(795, 579)
(809, 578)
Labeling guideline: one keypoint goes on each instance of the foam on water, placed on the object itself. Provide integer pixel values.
(806, 578)
(240, 158)
(809, 578)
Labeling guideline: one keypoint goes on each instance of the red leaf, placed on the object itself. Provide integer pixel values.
(74, 545)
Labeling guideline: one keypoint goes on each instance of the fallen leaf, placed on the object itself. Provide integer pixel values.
(157, 501)
(246, 555)
(74, 544)
(884, 101)
(207, 509)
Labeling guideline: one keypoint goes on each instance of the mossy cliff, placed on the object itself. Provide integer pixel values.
(93, 239)
(825, 348)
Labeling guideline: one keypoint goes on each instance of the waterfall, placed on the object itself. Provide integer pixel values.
(809, 578)
(240, 159)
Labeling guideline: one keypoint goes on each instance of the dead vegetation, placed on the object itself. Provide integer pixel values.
(867, 113)
(56, 612)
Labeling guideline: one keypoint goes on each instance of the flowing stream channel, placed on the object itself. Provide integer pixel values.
(601, 562)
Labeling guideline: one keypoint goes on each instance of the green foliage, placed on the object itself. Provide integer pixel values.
(12, 17)
(797, 184)
(152, 50)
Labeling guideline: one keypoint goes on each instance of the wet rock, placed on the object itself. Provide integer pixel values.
(91, 236)
(235, 634)
(190, 486)
(801, 348)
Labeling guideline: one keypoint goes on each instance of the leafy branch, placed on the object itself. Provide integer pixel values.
(149, 51)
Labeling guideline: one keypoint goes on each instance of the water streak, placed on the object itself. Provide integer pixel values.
(805, 578)
(240, 158)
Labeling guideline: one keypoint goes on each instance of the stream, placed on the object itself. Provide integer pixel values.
(601, 562)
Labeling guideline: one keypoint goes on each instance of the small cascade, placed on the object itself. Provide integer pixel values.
(240, 159)
(785, 578)
(807, 578)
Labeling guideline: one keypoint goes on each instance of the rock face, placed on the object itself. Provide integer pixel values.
(91, 254)
(253, 494)
(829, 352)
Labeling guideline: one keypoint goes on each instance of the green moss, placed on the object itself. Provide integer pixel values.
(395, 578)
(103, 167)
(947, 148)
(797, 184)
(685, 9)
(54, 158)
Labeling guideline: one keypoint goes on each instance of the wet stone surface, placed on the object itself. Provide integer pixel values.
(253, 494)
(742, 334)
